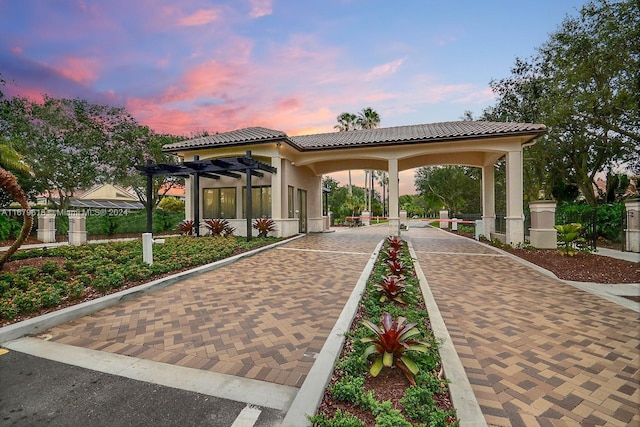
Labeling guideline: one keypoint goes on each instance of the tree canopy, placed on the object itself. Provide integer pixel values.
(584, 84)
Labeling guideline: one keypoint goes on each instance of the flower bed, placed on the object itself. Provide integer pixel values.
(389, 372)
(48, 279)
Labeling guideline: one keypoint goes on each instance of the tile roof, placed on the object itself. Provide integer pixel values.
(433, 132)
(235, 137)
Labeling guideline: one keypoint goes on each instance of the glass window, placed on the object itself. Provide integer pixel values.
(219, 203)
(260, 202)
(291, 205)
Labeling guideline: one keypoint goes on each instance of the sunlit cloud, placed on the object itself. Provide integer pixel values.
(80, 70)
(201, 17)
(261, 8)
(384, 70)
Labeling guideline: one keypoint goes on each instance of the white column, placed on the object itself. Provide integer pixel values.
(394, 195)
(188, 205)
(488, 200)
(632, 238)
(515, 213)
(276, 188)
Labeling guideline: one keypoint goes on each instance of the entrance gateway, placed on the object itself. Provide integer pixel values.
(300, 161)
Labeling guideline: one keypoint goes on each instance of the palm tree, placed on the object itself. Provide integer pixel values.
(347, 122)
(368, 118)
(10, 159)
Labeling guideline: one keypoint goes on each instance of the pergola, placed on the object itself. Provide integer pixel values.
(213, 169)
(302, 160)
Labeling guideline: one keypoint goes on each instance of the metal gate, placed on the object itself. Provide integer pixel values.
(588, 220)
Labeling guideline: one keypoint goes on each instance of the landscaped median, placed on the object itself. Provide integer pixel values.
(39, 281)
(389, 372)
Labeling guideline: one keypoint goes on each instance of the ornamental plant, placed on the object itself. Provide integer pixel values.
(396, 267)
(392, 340)
(569, 236)
(186, 227)
(394, 242)
(264, 226)
(391, 288)
(219, 227)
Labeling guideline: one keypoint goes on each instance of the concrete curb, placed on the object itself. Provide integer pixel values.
(310, 395)
(50, 320)
(462, 396)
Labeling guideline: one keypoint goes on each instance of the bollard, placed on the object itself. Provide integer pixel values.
(479, 231)
(454, 224)
(147, 247)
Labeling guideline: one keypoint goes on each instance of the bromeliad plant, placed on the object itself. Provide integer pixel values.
(391, 342)
(264, 226)
(391, 288)
(186, 227)
(396, 267)
(219, 227)
(394, 242)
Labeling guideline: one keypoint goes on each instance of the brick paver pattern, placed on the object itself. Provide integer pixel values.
(264, 317)
(537, 351)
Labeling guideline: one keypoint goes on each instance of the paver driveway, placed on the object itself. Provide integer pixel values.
(264, 317)
(537, 351)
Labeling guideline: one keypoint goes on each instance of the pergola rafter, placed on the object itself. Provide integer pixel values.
(210, 168)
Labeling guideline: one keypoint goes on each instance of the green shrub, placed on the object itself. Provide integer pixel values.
(49, 267)
(393, 418)
(28, 272)
(9, 228)
(340, 419)
(171, 204)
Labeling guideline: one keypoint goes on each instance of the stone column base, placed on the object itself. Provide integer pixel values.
(394, 226)
(544, 239)
(515, 231)
(632, 239)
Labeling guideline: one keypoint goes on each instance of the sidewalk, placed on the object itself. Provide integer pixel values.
(538, 351)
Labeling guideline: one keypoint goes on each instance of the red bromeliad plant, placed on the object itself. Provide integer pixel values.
(219, 227)
(391, 254)
(396, 267)
(391, 342)
(264, 226)
(394, 242)
(391, 288)
(186, 227)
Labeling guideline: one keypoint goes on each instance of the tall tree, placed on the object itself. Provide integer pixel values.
(11, 159)
(457, 188)
(368, 118)
(584, 84)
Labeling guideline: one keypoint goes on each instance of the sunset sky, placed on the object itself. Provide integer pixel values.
(292, 65)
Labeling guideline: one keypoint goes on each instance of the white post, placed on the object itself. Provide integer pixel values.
(276, 188)
(454, 224)
(444, 215)
(543, 217)
(47, 227)
(515, 212)
(147, 248)
(394, 204)
(77, 228)
(488, 200)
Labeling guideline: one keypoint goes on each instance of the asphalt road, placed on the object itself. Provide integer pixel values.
(36, 391)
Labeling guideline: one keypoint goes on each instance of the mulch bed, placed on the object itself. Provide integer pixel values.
(582, 267)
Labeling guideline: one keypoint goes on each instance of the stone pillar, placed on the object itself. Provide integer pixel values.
(394, 195)
(488, 200)
(632, 232)
(403, 216)
(515, 213)
(77, 228)
(47, 227)
(365, 217)
(454, 224)
(543, 218)
(444, 214)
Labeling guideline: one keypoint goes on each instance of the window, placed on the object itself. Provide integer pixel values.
(219, 203)
(260, 202)
(291, 205)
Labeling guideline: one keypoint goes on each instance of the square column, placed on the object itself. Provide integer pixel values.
(543, 218)
(394, 204)
(515, 211)
(77, 228)
(47, 227)
(488, 201)
(276, 188)
(632, 232)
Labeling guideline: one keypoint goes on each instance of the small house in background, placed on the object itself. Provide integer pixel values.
(103, 196)
(172, 190)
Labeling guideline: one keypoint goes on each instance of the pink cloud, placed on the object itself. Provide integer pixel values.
(201, 17)
(80, 70)
(384, 70)
(16, 50)
(261, 8)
